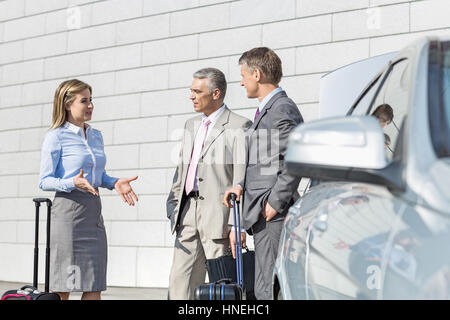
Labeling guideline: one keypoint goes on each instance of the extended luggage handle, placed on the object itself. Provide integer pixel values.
(37, 203)
(237, 233)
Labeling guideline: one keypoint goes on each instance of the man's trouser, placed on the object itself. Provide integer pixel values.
(191, 250)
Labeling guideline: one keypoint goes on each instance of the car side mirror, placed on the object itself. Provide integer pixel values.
(343, 148)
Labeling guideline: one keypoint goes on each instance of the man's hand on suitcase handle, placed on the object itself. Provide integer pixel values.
(233, 242)
(237, 190)
(82, 183)
(229, 194)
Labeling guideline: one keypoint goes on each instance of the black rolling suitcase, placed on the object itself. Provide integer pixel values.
(225, 289)
(32, 292)
(219, 290)
(225, 268)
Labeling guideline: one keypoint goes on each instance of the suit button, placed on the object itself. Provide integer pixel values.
(201, 198)
(200, 179)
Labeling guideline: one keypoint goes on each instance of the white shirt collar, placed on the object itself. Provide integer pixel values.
(266, 99)
(75, 129)
(215, 115)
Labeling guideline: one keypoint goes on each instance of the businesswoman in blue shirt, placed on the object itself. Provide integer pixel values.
(73, 164)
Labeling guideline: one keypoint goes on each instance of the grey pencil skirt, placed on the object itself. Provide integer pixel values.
(78, 247)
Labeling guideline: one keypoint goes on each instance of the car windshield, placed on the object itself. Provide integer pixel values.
(363, 102)
(439, 97)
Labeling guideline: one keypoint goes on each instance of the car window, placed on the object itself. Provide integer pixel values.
(392, 99)
(363, 104)
(445, 84)
(439, 97)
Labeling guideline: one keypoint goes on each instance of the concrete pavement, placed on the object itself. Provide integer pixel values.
(112, 293)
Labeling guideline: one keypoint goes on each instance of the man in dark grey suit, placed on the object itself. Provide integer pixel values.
(268, 190)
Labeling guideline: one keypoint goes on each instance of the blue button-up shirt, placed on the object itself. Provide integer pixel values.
(266, 99)
(65, 151)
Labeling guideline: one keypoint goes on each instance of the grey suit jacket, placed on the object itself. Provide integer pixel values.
(221, 165)
(266, 177)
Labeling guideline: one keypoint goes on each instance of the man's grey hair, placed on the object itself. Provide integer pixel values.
(216, 80)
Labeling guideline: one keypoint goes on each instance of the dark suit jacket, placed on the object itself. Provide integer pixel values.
(266, 177)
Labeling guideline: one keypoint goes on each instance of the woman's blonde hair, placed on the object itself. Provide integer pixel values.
(65, 96)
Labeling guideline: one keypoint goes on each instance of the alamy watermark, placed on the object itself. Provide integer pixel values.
(374, 279)
(373, 21)
(73, 20)
(74, 277)
(231, 147)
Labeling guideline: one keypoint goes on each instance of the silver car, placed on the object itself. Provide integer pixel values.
(376, 222)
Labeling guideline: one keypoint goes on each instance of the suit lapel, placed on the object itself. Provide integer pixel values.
(216, 130)
(191, 131)
(255, 124)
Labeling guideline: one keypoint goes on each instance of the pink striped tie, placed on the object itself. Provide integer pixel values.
(256, 114)
(198, 146)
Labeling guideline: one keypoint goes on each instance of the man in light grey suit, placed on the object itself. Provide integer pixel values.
(268, 190)
(212, 159)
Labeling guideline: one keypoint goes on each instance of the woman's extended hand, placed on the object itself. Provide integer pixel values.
(123, 188)
(83, 183)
